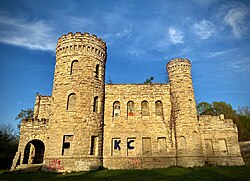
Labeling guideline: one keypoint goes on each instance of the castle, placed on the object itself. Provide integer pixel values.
(87, 124)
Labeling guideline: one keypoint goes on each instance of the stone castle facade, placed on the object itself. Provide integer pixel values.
(86, 124)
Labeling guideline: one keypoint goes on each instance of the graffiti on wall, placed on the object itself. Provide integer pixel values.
(55, 164)
(136, 162)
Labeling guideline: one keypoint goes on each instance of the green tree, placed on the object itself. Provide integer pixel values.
(24, 114)
(244, 111)
(149, 80)
(8, 145)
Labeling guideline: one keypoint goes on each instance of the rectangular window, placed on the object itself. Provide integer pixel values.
(223, 146)
(116, 147)
(94, 146)
(209, 147)
(67, 141)
(146, 146)
(131, 146)
(162, 145)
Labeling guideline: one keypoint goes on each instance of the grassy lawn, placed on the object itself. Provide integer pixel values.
(172, 173)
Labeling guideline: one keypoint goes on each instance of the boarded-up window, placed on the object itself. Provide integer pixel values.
(97, 71)
(130, 108)
(94, 146)
(158, 108)
(131, 149)
(146, 146)
(195, 139)
(95, 106)
(182, 143)
(116, 108)
(209, 147)
(144, 108)
(74, 67)
(162, 146)
(71, 102)
(67, 141)
(223, 146)
(116, 147)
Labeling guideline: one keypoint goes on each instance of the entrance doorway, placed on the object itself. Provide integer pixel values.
(34, 152)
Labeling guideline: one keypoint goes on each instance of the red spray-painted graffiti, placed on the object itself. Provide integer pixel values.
(136, 162)
(55, 164)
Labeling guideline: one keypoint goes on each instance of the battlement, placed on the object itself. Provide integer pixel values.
(34, 122)
(81, 42)
(178, 65)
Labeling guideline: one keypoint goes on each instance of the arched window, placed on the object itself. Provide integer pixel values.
(130, 108)
(97, 71)
(95, 106)
(158, 108)
(144, 108)
(74, 67)
(116, 108)
(71, 102)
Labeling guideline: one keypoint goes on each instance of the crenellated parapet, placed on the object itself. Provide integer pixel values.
(78, 42)
(178, 66)
(30, 123)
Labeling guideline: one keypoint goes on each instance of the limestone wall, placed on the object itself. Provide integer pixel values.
(42, 107)
(134, 137)
(220, 140)
(32, 131)
(76, 125)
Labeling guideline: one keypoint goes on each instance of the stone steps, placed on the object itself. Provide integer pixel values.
(29, 167)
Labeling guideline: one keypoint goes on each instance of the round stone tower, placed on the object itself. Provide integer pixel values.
(184, 114)
(76, 126)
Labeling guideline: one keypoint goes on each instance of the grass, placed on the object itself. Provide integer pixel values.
(173, 173)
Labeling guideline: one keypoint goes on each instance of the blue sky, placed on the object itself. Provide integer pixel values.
(142, 36)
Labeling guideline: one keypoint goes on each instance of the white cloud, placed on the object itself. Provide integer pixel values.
(204, 29)
(219, 53)
(235, 17)
(175, 35)
(125, 33)
(36, 35)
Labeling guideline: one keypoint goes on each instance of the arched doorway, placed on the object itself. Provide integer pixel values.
(34, 152)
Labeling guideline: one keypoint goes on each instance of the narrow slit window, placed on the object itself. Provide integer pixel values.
(95, 106)
(97, 71)
(94, 146)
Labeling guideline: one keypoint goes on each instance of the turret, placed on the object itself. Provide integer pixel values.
(76, 125)
(184, 115)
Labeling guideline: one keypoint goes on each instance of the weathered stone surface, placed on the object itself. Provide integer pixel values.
(86, 124)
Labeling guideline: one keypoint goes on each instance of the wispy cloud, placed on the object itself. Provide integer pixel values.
(125, 33)
(242, 64)
(235, 18)
(218, 53)
(175, 35)
(35, 35)
(204, 29)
